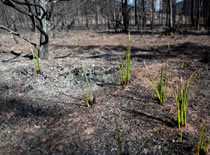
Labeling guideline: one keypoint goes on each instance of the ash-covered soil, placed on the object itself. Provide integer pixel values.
(46, 114)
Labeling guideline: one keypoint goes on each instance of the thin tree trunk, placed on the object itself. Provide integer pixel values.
(198, 15)
(192, 13)
(125, 15)
(208, 18)
(171, 14)
(136, 15)
(143, 14)
(96, 14)
(153, 10)
(43, 53)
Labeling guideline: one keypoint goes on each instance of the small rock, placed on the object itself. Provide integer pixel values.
(89, 130)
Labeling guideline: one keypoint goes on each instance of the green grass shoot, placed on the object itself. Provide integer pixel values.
(36, 61)
(182, 100)
(160, 87)
(126, 66)
(88, 94)
(204, 142)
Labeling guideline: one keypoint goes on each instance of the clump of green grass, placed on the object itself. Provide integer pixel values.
(36, 61)
(126, 66)
(182, 100)
(160, 88)
(204, 142)
(89, 97)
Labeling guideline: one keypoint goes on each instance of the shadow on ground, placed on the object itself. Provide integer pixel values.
(108, 52)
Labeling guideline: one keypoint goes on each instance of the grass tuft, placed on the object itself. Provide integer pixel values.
(89, 97)
(119, 140)
(203, 144)
(182, 100)
(160, 88)
(126, 66)
(36, 61)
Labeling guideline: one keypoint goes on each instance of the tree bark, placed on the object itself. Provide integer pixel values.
(143, 14)
(153, 10)
(192, 13)
(171, 9)
(136, 15)
(125, 15)
(44, 40)
(198, 14)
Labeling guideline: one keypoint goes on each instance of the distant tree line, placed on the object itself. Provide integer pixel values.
(109, 14)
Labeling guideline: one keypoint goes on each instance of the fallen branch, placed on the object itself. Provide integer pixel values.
(17, 35)
(15, 53)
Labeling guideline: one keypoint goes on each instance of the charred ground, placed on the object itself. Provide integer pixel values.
(46, 114)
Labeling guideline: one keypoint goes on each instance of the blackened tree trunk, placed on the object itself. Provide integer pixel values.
(208, 17)
(192, 13)
(44, 39)
(143, 14)
(153, 11)
(125, 15)
(171, 15)
(136, 13)
(198, 4)
(168, 8)
(96, 13)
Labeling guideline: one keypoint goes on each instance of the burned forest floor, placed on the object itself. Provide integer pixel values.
(46, 114)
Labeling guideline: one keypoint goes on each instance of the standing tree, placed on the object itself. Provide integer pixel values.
(135, 11)
(125, 15)
(144, 19)
(39, 12)
(152, 13)
(170, 14)
(192, 13)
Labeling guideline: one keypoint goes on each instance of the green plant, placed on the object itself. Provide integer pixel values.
(89, 97)
(184, 65)
(160, 87)
(119, 140)
(203, 144)
(126, 66)
(180, 136)
(182, 100)
(36, 61)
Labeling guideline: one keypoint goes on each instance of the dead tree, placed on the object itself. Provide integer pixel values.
(144, 19)
(152, 13)
(170, 14)
(38, 12)
(125, 15)
(192, 13)
(136, 11)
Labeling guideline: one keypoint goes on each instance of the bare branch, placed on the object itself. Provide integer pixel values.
(17, 35)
